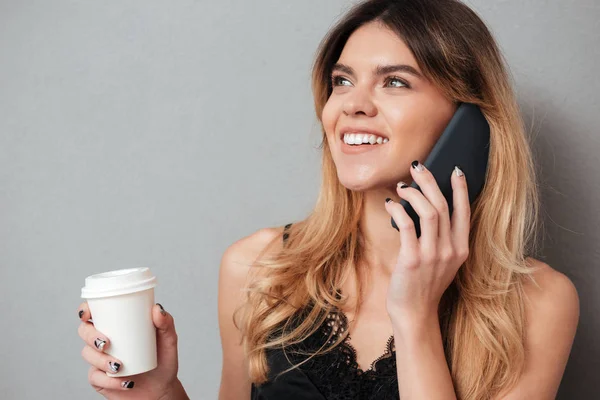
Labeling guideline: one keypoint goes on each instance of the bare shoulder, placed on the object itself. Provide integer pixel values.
(240, 255)
(554, 292)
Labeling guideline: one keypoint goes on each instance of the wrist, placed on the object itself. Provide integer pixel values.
(413, 325)
(175, 391)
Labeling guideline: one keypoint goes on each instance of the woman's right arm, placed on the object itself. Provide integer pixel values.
(233, 275)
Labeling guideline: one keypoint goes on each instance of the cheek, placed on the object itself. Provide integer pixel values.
(404, 118)
(329, 118)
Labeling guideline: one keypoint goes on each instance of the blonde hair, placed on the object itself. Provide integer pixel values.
(482, 312)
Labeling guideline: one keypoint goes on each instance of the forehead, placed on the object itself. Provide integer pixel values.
(374, 43)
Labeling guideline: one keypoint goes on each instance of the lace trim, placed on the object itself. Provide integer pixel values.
(338, 322)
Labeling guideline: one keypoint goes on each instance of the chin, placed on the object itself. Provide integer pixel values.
(357, 185)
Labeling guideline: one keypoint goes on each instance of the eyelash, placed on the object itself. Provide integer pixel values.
(334, 78)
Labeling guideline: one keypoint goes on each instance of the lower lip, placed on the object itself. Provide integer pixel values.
(351, 149)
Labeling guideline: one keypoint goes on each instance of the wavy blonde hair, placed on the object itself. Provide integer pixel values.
(482, 313)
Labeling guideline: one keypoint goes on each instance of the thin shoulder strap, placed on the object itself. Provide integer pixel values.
(285, 233)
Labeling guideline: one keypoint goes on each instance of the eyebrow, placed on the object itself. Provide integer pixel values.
(379, 70)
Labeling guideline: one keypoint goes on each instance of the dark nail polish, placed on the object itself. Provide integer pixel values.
(388, 200)
(114, 366)
(417, 166)
(162, 310)
(80, 313)
(403, 186)
(128, 384)
(99, 343)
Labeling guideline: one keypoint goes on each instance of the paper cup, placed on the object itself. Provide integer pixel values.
(121, 304)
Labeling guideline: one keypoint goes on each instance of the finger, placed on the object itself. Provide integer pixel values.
(98, 379)
(84, 312)
(408, 237)
(428, 216)
(431, 190)
(92, 337)
(101, 361)
(461, 214)
(166, 337)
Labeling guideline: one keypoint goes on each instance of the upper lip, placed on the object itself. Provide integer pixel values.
(358, 129)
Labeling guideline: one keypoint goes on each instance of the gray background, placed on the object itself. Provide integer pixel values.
(156, 133)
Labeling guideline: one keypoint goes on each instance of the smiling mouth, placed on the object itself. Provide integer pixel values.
(359, 139)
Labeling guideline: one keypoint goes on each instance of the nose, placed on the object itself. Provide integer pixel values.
(359, 102)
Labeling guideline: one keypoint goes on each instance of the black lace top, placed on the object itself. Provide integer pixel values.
(334, 375)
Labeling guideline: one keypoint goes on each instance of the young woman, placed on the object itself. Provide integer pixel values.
(342, 306)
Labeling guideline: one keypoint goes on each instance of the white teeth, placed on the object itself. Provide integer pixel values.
(360, 138)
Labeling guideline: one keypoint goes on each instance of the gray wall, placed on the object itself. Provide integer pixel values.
(155, 133)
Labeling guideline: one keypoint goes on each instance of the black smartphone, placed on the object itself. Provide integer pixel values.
(465, 142)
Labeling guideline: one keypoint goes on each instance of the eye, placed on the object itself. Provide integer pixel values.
(335, 79)
(396, 79)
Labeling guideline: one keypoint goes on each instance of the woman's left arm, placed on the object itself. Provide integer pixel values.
(427, 265)
(421, 365)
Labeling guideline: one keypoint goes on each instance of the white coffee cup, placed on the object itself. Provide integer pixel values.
(121, 304)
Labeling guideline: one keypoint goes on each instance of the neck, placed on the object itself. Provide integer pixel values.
(381, 240)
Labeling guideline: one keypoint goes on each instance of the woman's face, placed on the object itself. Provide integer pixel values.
(406, 110)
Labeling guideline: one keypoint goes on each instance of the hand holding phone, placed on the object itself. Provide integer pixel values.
(465, 142)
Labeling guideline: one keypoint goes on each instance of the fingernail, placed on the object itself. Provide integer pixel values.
(162, 310)
(402, 185)
(458, 171)
(128, 384)
(114, 366)
(99, 343)
(417, 165)
(80, 313)
(388, 200)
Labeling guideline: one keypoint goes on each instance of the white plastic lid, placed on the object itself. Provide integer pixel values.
(119, 282)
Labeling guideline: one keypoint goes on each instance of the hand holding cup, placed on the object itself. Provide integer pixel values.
(141, 360)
